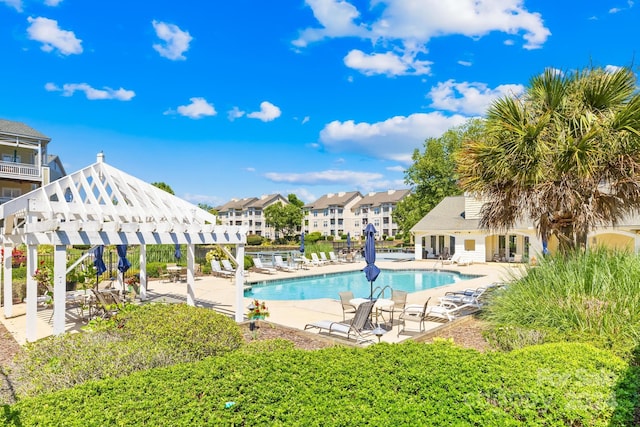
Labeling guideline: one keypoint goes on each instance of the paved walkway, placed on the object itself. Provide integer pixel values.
(219, 294)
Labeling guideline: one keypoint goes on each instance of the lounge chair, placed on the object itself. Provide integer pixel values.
(315, 260)
(334, 258)
(218, 271)
(226, 266)
(359, 327)
(468, 296)
(454, 259)
(260, 268)
(347, 307)
(399, 299)
(323, 258)
(464, 260)
(280, 265)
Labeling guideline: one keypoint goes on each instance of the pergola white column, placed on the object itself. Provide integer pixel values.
(240, 283)
(59, 288)
(32, 293)
(191, 256)
(143, 272)
(8, 282)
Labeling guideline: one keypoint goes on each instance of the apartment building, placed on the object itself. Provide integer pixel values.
(332, 214)
(249, 212)
(25, 163)
(377, 209)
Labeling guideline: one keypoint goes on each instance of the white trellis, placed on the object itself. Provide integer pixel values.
(101, 205)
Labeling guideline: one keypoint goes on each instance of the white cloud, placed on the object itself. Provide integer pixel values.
(356, 180)
(198, 109)
(330, 176)
(16, 4)
(176, 41)
(468, 98)
(68, 89)
(465, 63)
(52, 3)
(234, 113)
(267, 113)
(201, 198)
(336, 18)
(615, 10)
(385, 63)
(250, 169)
(393, 139)
(303, 194)
(305, 119)
(397, 168)
(46, 31)
(403, 28)
(612, 68)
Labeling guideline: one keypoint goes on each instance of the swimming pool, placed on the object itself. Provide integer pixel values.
(328, 285)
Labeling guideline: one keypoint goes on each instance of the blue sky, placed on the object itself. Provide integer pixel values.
(241, 98)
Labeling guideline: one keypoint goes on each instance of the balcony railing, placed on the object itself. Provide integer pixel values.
(19, 170)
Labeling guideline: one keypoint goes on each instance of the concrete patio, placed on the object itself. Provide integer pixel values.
(219, 294)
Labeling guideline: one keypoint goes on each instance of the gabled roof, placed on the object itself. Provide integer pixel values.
(448, 215)
(332, 199)
(103, 205)
(382, 197)
(265, 201)
(236, 204)
(18, 129)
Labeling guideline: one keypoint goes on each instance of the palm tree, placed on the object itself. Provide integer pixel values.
(565, 154)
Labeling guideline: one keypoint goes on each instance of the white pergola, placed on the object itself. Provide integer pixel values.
(101, 205)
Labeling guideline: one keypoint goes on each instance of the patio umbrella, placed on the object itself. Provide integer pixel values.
(370, 270)
(348, 242)
(98, 262)
(123, 262)
(177, 253)
(302, 243)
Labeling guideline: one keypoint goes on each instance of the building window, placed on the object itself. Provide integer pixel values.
(11, 193)
(315, 224)
(469, 245)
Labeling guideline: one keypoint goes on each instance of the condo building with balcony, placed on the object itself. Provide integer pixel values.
(249, 212)
(377, 209)
(25, 163)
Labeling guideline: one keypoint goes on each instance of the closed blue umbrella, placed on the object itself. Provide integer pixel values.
(98, 262)
(177, 253)
(371, 271)
(123, 262)
(302, 243)
(349, 242)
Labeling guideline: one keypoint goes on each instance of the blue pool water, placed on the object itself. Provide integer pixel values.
(328, 285)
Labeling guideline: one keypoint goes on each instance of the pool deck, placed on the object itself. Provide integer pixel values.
(219, 293)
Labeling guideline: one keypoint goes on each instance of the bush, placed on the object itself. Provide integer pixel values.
(144, 337)
(311, 238)
(407, 384)
(154, 268)
(254, 240)
(588, 297)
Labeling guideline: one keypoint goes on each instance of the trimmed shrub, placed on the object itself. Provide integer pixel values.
(143, 337)
(254, 240)
(407, 384)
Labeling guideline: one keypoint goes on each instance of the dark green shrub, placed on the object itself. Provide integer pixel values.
(312, 237)
(143, 337)
(254, 240)
(154, 268)
(381, 385)
(248, 262)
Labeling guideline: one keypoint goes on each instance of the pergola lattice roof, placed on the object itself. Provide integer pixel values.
(103, 205)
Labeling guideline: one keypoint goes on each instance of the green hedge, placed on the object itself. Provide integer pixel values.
(143, 337)
(405, 384)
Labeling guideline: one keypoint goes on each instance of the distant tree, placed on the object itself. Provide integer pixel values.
(284, 218)
(293, 199)
(208, 208)
(163, 186)
(432, 176)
